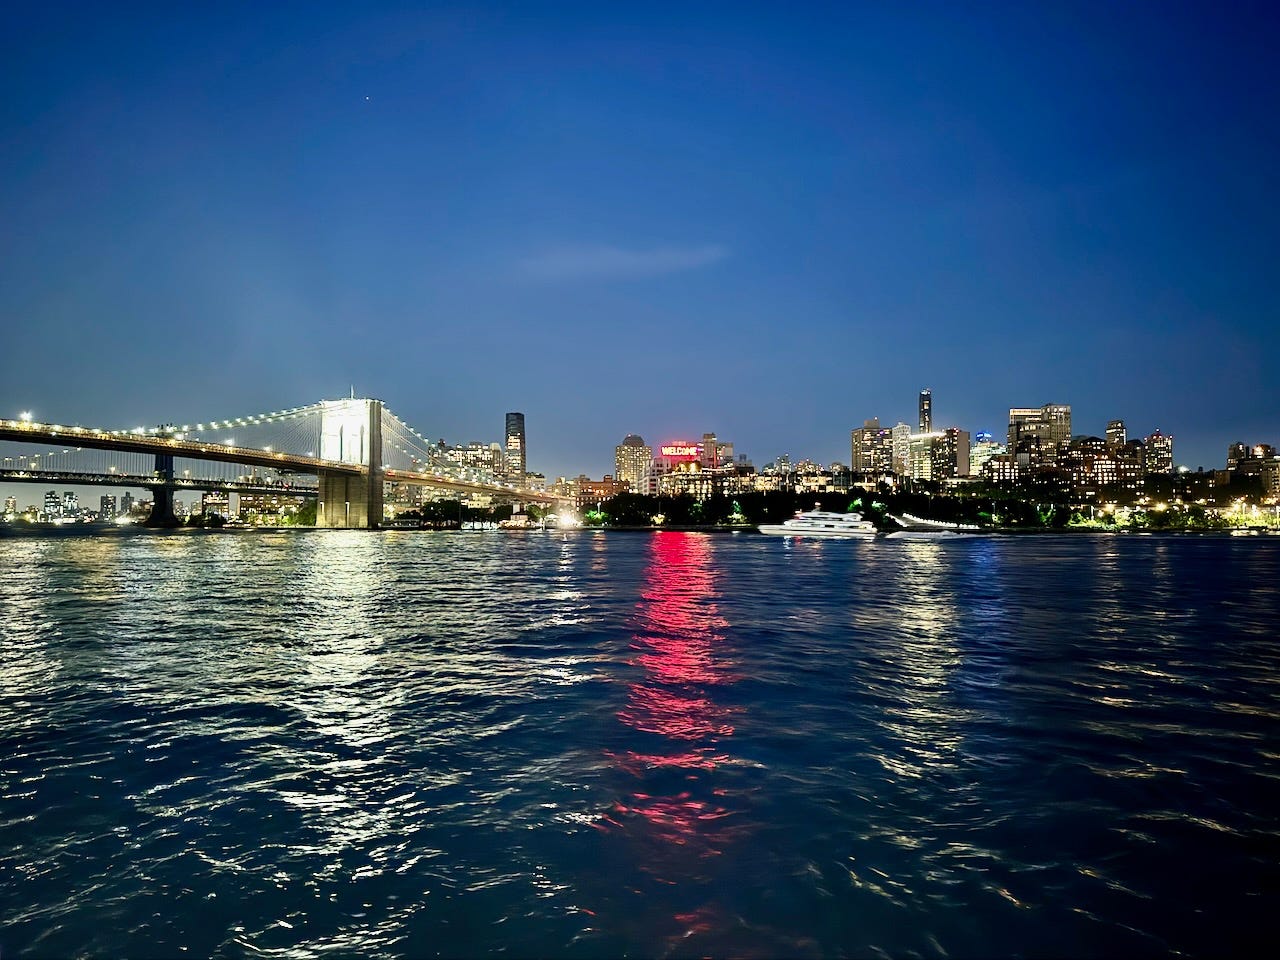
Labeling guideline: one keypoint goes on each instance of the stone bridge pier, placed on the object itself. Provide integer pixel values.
(162, 514)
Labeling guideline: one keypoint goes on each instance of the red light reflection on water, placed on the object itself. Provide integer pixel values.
(678, 632)
(657, 710)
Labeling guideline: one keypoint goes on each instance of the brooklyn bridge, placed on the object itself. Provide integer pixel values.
(342, 452)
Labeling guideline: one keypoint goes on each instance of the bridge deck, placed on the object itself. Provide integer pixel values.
(27, 432)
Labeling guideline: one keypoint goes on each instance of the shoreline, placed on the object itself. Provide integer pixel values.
(54, 531)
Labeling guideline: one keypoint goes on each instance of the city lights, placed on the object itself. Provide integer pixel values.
(1110, 481)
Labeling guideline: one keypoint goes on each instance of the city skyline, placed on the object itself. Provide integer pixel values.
(770, 223)
(514, 421)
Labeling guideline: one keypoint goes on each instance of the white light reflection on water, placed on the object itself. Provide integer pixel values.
(917, 655)
(928, 660)
(356, 818)
(29, 669)
(339, 655)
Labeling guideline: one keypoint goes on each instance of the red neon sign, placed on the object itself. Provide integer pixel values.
(681, 451)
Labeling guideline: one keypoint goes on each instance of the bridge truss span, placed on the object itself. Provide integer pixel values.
(175, 444)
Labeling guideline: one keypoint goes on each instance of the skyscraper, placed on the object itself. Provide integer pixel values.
(951, 454)
(516, 463)
(872, 448)
(107, 507)
(920, 461)
(631, 460)
(900, 443)
(1116, 436)
(52, 505)
(926, 411)
(1158, 453)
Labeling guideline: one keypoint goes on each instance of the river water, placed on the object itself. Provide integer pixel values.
(604, 744)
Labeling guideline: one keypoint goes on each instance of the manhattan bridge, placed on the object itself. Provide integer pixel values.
(342, 452)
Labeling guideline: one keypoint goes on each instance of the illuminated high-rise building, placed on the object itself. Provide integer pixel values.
(70, 504)
(52, 505)
(1270, 474)
(951, 454)
(710, 452)
(10, 505)
(631, 460)
(107, 507)
(1037, 434)
(871, 448)
(926, 411)
(220, 503)
(517, 465)
(920, 462)
(1158, 453)
(900, 443)
(984, 447)
(477, 455)
(1095, 466)
(938, 455)
(1116, 436)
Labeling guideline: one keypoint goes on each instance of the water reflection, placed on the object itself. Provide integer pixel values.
(923, 718)
(28, 666)
(677, 811)
(341, 743)
(340, 694)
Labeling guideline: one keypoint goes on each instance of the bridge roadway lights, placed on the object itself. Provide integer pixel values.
(348, 502)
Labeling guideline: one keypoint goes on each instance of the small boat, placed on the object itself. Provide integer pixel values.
(822, 523)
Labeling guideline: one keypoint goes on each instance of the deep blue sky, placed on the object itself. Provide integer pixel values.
(766, 221)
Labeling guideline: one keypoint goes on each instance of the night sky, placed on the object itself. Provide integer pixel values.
(770, 222)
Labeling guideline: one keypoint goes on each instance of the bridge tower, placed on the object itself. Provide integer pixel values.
(162, 514)
(351, 432)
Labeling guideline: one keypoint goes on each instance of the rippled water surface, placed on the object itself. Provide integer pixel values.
(586, 744)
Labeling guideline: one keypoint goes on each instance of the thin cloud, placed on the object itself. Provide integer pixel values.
(603, 262)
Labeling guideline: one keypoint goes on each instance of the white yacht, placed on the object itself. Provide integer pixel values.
(821, 523)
